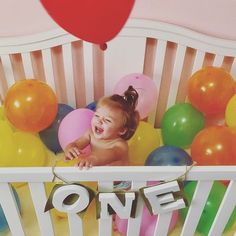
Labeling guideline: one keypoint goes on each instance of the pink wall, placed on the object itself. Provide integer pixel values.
(214, 17)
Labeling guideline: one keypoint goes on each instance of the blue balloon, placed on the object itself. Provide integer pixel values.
(92, 106)
(168, 156)
(49, 136)
(3, 221)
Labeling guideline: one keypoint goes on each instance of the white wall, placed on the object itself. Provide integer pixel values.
(214, 17)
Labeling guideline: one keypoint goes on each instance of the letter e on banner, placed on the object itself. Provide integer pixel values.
(160, 198)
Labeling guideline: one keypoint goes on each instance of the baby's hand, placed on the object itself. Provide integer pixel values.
(84, 162)
(72, 151)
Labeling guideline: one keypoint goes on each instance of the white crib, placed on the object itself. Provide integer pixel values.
(80, 73)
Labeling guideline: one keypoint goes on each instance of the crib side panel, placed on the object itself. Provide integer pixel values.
(105, 177)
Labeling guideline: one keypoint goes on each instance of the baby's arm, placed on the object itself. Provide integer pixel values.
(74, 149)
(116, 156)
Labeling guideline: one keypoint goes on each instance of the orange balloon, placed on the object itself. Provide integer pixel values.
(210, 89)
(30, 105)
(214, 145)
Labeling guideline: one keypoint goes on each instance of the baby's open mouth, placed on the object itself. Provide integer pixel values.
(98, 130)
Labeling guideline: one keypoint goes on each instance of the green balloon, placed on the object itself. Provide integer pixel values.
(180, 124)
(211, 207)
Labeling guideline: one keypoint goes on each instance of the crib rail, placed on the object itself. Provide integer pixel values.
(105, 176)
(81, 73)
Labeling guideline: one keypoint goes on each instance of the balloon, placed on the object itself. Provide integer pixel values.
(230, 114)
(143, 142)
(214, 145)
(7, 145)
(180, 124)
(147, 225)
(92, 106)
(26, 150)
(168, 156)
(93, 21)
(215, 119)
(74, 126)
(3, 221)
(146, 89)
(49, 136)
(211, 207)
(2, 116)
(210, 89)
(30, 105)
(150, 228)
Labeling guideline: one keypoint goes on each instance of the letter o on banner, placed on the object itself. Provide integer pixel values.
(64, 192)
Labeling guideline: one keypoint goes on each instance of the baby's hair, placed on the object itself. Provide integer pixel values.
(127, 103)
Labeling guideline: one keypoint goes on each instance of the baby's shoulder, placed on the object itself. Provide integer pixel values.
(122, 144)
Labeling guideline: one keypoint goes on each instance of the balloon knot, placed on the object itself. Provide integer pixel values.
(103, 46)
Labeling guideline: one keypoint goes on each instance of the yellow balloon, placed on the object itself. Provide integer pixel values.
(230, 112)
(7, 146)
(144, 141)
(30, 150)
(2, 116)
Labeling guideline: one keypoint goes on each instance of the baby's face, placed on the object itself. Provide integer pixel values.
(107, 123)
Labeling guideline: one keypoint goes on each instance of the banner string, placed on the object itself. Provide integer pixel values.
(181, 177)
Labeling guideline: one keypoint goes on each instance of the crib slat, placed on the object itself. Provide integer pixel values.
(178, 65)
(8, 69)
(165, 80)
(227, 63)
(134, 224)
(27, 65)
(159, 62)
(59, 74)
(98, 72)
(195, 210)
(37, 65)
(88, 70)
(185, 75)
(218, 60)
(233, 69)
(162, 225)
(39, 199)
(3, 81)
(75, 225)
(47, 63)
(17, 66)
(198, 62)
(149, 58)
(68, 67)
(10, 208)
(226, 208)
(78, 73)
(105, 225)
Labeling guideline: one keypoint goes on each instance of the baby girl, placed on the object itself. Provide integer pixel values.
(113, 123)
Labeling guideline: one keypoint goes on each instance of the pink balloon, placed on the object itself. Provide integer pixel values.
(74, 125)
(147, 225)
(146, 89)
(150, 229)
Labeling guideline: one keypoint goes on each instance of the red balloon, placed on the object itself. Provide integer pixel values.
(214, 145)
(91, 20)
(210, 89)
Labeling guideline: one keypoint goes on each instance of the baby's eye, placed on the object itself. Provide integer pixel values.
(96, 115)
(107, 120)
